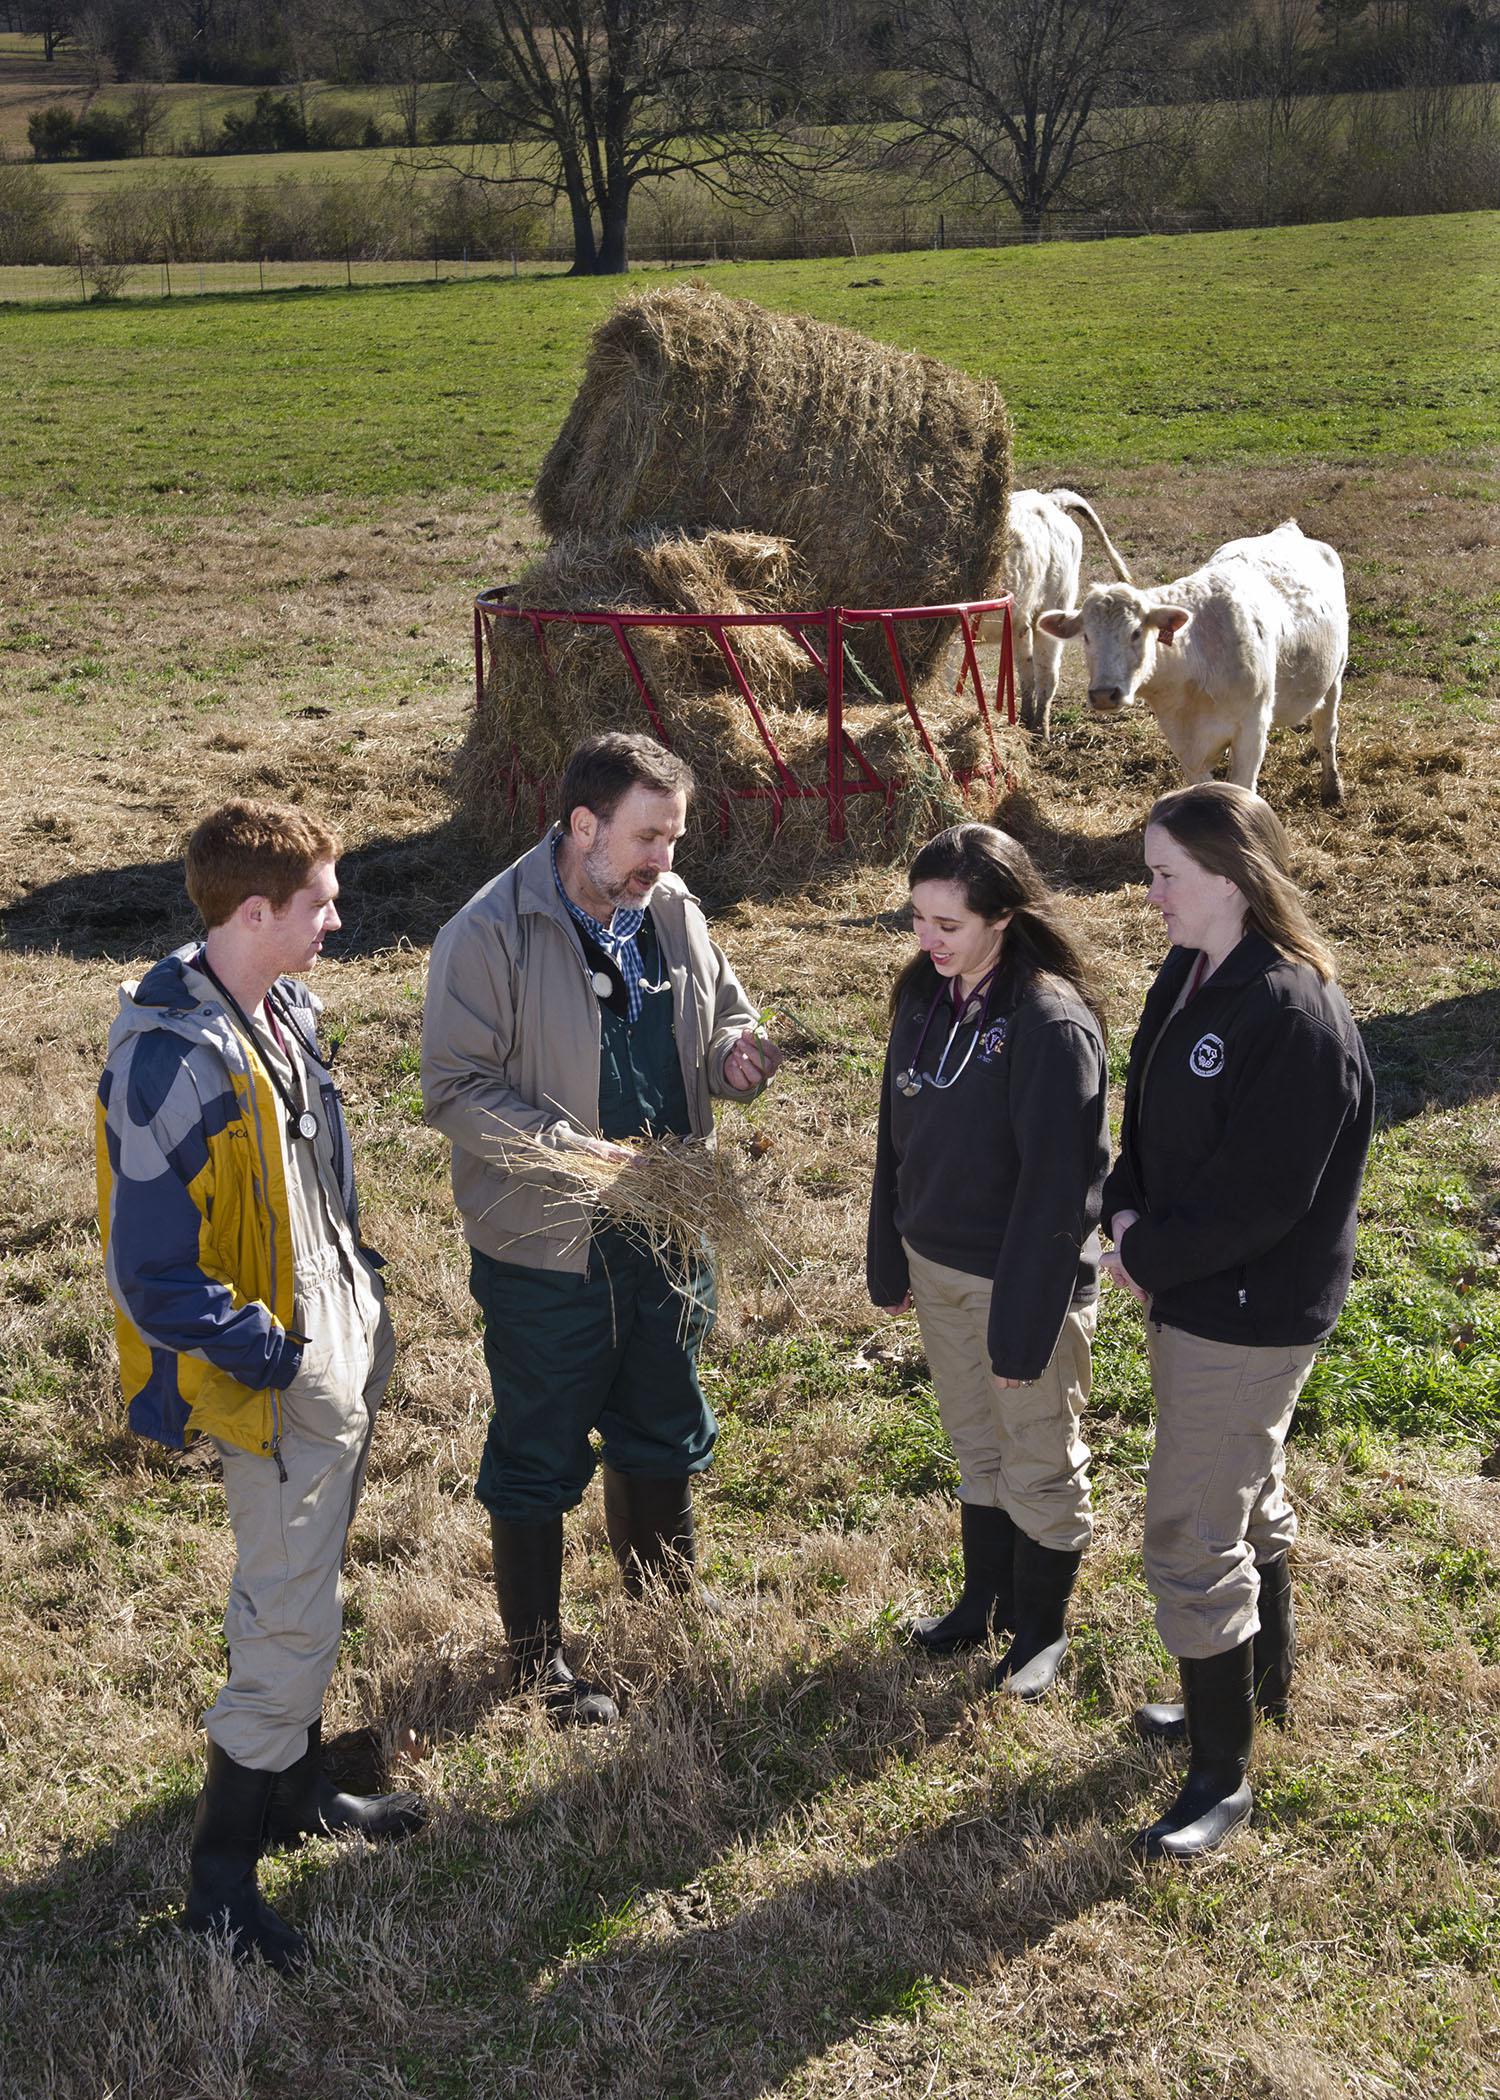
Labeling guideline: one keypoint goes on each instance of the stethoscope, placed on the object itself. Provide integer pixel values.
(911, 1082)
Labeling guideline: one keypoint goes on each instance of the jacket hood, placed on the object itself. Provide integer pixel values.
(175, 995)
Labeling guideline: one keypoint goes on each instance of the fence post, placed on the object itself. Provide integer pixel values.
(835, 725)
(262, 261)
(348, 268)
(83, 289)
(166, 264)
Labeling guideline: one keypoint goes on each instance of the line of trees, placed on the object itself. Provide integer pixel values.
(1053, 105)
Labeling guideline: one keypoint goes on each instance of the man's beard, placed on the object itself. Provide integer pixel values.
(597, 872)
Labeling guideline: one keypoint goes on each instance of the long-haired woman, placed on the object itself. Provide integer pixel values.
(991, 1153)
(1248, 1109)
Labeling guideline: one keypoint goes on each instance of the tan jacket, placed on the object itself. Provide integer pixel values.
(511, 1037)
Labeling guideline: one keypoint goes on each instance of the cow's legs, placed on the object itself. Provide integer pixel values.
(1198, 754)
(1025, 671)
(1046, 664)
(1247, 750)
(1324, 724)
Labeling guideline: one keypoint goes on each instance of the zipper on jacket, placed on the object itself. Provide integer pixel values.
(276, 1437)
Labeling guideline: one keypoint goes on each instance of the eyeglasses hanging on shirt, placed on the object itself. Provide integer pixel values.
(911, 1082)
(300, 1121)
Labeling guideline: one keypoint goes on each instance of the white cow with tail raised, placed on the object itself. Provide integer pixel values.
(1043, 561)
(1258, 636)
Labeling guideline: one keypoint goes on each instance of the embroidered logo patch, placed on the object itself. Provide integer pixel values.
(992, 1042)
(1207, 1057)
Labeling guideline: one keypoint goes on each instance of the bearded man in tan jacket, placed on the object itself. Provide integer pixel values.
(578, 998)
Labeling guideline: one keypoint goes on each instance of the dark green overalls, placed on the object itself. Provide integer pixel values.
(615, 1350)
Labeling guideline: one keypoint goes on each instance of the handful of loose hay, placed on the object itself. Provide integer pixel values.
(676, 1198)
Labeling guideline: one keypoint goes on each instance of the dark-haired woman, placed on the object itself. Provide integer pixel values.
(1248, 1109)
(991, 1154)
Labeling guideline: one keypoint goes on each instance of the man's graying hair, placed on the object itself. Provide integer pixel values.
(604, 769)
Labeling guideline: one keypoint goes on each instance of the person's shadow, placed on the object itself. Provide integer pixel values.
(628, 1890)
(390, 890)
(636, 1896)
(1443, 1055)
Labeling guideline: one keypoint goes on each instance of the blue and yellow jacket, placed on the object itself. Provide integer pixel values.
(193, 1207)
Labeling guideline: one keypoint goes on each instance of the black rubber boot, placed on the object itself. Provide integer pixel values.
(651, 1530)
(1275, 1651)
(1215, 1797)
(986, 1603)
(228, 1825)
(1275, 1646)
(306, 1803)
(528, 1585)
(1044, 1583)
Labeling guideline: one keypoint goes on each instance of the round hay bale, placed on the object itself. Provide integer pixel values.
(889, 472)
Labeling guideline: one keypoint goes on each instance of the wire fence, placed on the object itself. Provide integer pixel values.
(54, 283)
(658, 241)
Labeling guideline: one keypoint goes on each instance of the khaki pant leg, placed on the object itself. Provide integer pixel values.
(953, 1313)
(284, 1614)
(1222, 1415)
(1019, 1449)
(382, 1364)
(1046, 1461)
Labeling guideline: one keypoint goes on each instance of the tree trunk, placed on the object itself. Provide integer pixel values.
(585, 248)
(614, 247)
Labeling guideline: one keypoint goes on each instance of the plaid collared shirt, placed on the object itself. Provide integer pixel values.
(618, 940)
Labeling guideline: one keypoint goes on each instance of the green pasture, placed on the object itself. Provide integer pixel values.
(241, 533)
(1373, 337)
(81, 182)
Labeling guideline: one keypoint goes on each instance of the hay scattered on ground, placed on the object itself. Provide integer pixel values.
(889, 472)
(678, 1198)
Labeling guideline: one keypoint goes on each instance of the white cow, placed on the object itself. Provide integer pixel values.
(1258, 635)
(1043, 559)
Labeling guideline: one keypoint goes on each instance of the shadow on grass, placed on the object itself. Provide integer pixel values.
(626, 1981)
(735, 2010)
(1443, 1055)
(391, 890)
(665, 1918)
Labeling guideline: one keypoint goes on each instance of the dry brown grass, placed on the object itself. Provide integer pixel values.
(806, 1864)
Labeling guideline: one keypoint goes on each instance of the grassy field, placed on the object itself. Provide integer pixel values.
(1346, 341)
(28, 82)
(806, 1864)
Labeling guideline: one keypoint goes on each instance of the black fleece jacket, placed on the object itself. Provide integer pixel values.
(999, 1174)
(1243, 1148)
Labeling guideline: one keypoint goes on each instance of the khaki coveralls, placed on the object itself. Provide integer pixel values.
(284, 1614)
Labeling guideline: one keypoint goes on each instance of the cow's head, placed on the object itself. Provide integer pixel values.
(1121, 629)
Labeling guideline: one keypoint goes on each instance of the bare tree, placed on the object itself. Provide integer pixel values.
(594, 99)
(51, 20)
(1269, 73)
(1029, 95)
(146, 113)
(92, 41)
